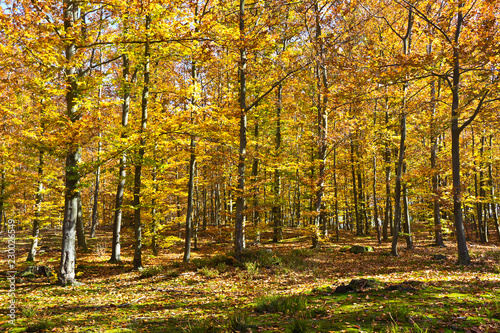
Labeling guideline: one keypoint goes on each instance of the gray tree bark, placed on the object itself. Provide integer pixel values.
(66, 274)
(35, 234)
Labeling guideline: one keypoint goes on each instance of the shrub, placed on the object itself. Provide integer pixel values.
(151, 271)
(298, 326)
(199, 327)
(263, 257)
(209, 272)
(28, 312)
(283, 304)
(43, 325)
(252, 268)
(239, 322)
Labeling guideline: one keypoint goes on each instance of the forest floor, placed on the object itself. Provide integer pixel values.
(283, 287)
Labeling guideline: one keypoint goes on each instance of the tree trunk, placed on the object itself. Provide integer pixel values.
(493, 203)
(397, 191)
(140, 157)
(335, 189)
(2, 197)
(96, 190)
(361, 201)
(255, 173)
(35, 234)
(80, 228)
(94, 218)
(374, 189)
(388, 202)
(359, 226)
(463, 252)
(189, 212)
(409, 239)
(438, 233)
(154, 217)
(66, 274)
(192, 166)
(482, 207)
(178, 205)
(322, 86)
(277, 213)
(117, 221)
(239, 227)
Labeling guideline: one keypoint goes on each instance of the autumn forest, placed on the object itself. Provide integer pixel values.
(143, 129)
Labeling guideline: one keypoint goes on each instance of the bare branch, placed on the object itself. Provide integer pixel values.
(476, 112)
(258, 99)
(427, 19)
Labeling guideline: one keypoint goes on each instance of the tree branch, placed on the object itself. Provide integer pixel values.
(258, 99)
(99, 64)
(476, 112)
(426, 19)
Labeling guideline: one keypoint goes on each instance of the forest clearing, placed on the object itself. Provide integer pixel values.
(288, 289)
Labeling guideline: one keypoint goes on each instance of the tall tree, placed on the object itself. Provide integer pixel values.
(142, 151)
(406, 40)
(66, 274)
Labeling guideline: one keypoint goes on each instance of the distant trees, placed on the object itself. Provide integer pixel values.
(345, 128)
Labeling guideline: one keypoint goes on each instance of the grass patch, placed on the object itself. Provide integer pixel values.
(43, 325)
(281, 304)
(299, 326)
(262, 257)
(209, 272)
(151, 271)
(240, 322)
(252, 269)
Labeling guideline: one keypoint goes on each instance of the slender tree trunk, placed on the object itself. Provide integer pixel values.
(204, 226)
(154, 217)
(299, 207)
(397, 190)
(2, 196)
(374, 189)
(178, 206)
(397, 198)
(66, 274)
(359, 227)
(335, 189)
(96, 189)
(361, 208)
(35, 234)
(189, 212)
(493, 204)
(322, 86)
(192, 166)
(97, 176)
(482, 207)
(277, 213)
(388, 202)
(80, 228)
(240, 199)
(140, 157)
(476, 220)
(438, 233)
(117, 221)
(255, 173)
(408, 237)
(463, 252)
